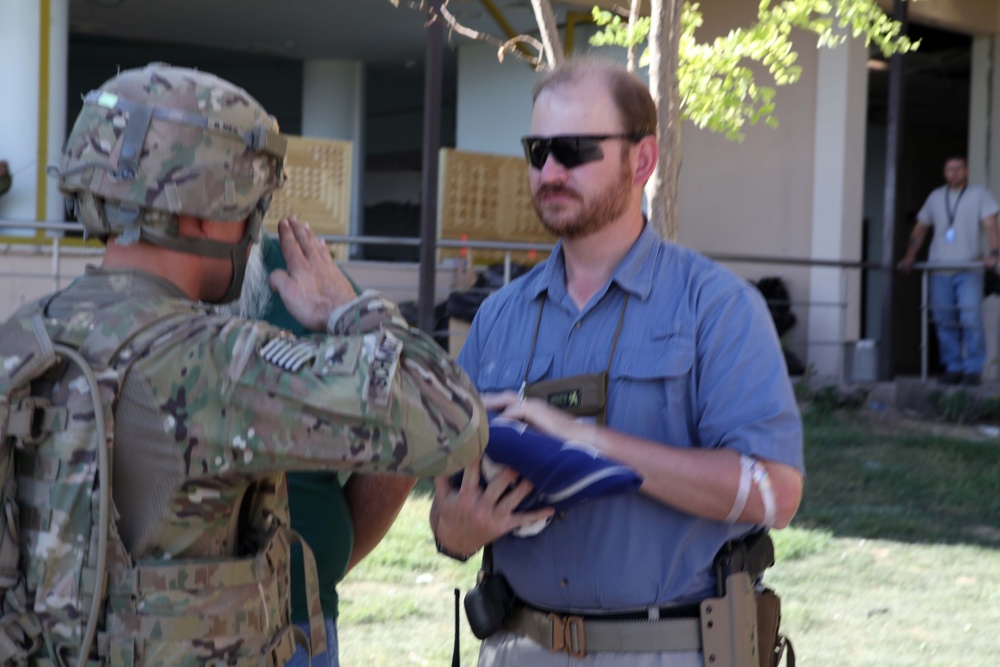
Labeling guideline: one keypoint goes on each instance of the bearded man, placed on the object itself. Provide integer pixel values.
(651, 355)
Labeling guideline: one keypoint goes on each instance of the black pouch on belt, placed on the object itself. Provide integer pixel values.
(489, 604)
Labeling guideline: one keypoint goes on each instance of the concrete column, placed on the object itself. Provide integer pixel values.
(984, 113)
(494, 101)
(494, 98)
(34, 39)
(984, 162)
(333, 107)
(837, 210)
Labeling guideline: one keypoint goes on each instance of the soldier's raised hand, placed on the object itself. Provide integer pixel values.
(313, 286)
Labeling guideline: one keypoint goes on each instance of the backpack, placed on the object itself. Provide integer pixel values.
(69, 590)
(24, 420)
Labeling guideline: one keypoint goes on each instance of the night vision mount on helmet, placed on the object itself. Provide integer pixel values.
(159, 142)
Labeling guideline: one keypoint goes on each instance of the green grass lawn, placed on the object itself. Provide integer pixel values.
(893, 559)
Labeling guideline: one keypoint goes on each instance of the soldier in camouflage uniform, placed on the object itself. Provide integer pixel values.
(175, 168)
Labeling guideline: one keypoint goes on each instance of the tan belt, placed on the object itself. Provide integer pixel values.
(578, 635)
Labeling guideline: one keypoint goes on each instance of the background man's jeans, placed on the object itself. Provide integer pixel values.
(955, 308)
(329, 659)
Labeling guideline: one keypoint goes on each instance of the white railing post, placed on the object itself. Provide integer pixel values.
(842, 338)
(55, 259)
(924, 313)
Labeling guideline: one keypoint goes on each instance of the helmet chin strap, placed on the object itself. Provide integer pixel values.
(238, 257)
(236, 253)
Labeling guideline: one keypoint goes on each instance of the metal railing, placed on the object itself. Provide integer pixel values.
(841, 303)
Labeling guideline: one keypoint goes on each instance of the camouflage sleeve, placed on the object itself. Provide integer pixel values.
(249, 397)
(365, 314)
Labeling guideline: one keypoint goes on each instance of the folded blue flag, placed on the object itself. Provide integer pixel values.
(563, 472)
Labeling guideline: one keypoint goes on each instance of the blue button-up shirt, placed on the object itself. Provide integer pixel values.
(697, 364)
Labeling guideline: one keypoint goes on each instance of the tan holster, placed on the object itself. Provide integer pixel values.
(740, 629)
(772, 645)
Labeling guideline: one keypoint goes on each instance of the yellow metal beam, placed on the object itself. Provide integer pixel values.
(41, 189)
(572, 18)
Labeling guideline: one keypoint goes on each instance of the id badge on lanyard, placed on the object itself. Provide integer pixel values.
(949, 235)
(584, 396)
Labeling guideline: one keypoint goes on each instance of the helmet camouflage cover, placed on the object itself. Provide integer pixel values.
(161, 141)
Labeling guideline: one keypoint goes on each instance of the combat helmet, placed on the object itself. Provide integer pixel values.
(154, 143)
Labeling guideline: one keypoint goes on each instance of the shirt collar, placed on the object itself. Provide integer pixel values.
(634, 274)
(135, 281)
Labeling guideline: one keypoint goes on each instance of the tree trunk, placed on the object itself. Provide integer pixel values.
(633, 16)
(664, 42)
(546, 19)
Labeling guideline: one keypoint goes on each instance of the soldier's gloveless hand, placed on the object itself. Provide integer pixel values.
(313, 286)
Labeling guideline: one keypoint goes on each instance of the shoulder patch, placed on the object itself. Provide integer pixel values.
(288, 353)
(385, 363)
(338, 356)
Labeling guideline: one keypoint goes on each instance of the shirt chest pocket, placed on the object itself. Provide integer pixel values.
(507, 373)
(653, 380)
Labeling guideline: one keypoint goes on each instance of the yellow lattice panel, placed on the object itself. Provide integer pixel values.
(318, 188)
(486, 198)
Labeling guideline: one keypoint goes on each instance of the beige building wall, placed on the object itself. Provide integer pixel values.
(30, 272)
(755, 198)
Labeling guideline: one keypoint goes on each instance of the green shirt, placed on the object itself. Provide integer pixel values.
(317, 502)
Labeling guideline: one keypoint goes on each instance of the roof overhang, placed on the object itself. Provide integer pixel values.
(973, 17)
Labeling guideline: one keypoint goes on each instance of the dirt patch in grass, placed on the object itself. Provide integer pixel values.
(901, 424)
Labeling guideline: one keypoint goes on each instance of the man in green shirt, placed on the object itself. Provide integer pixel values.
(341, 518)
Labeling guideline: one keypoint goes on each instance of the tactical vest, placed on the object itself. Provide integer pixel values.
(70, 592)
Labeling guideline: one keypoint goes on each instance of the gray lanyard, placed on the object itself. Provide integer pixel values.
(534, 341)
(947, 205)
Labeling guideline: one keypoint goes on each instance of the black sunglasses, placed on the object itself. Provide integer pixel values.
(571, 150)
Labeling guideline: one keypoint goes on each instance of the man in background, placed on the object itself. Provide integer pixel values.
(960, 215)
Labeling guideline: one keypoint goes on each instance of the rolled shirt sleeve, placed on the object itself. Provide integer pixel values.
(744, 399)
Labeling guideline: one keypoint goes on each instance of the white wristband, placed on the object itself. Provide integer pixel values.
(746, 463)
(763, 482)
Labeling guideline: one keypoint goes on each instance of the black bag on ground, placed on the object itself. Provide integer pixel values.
(779, 302)
(991, 282)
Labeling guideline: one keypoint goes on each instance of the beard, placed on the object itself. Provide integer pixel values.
(256, 294)
(606, 206)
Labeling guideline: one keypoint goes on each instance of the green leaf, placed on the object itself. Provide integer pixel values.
(718, 91)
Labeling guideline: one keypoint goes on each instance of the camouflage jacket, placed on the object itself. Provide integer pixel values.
(209, 413)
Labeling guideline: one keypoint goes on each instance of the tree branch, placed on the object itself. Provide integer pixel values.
(513, 46)
(633, 17)
(662, 189)
(546, 19)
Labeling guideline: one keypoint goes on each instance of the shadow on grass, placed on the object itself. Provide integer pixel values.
(864, 480)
